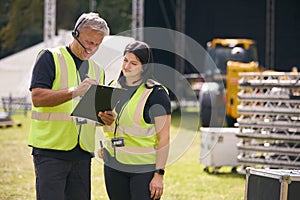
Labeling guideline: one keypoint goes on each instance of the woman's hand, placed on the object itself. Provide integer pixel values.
(108, 117)
(156, 186)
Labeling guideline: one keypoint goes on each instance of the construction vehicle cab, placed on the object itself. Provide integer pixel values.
(238, 50)
(219, 102)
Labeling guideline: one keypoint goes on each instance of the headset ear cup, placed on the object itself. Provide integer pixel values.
(75, 33)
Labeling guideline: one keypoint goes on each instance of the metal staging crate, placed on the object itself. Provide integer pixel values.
(270, 120)
(218, 148)
(272, 184)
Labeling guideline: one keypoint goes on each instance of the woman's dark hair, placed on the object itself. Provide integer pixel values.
(144, 53)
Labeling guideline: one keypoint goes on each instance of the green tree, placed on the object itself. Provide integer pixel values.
(117, 13)
(23, 26)
(22, 21)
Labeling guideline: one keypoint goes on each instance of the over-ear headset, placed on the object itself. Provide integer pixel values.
(148, 49)
(146, 70)
(75, 32)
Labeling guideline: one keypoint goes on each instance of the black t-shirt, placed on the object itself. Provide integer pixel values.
(42, 77)
(157, 104)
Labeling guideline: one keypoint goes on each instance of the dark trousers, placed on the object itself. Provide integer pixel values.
(62, 179)
(127, 186)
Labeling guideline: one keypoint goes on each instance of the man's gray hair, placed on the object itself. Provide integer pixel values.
(92, 20)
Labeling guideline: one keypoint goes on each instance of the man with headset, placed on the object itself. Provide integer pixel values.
(62, 147)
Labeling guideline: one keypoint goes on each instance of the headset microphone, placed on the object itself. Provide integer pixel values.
(76, 38)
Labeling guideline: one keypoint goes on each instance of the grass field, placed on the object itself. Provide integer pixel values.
(185, 179)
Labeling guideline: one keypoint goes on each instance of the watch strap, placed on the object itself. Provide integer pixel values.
(160, 171)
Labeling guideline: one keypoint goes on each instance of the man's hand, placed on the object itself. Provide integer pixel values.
(100, 153)
(108, 117)
(81, 89)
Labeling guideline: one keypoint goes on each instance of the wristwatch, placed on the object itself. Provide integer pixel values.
(160, 171)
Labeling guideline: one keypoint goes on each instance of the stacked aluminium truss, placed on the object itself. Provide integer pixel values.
(270, 120)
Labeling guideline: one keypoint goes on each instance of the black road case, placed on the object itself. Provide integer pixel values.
(272, 184)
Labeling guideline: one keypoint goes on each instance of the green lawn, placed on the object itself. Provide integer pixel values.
(185, 178)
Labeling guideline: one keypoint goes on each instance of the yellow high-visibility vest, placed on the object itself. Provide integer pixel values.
(140, 138)
(53, 127)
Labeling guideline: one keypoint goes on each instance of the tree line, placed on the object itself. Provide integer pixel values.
(22, 21)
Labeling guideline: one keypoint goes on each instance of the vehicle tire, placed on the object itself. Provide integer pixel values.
(205, 110)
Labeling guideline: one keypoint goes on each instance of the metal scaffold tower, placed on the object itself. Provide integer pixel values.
(49, 21)
(269, 123)
(137, 19)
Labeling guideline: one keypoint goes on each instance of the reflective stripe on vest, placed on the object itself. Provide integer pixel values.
(51, 116)
(57, 117)
(53, 127)
(140, 138)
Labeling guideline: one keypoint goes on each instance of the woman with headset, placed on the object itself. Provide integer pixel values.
(136, 151)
